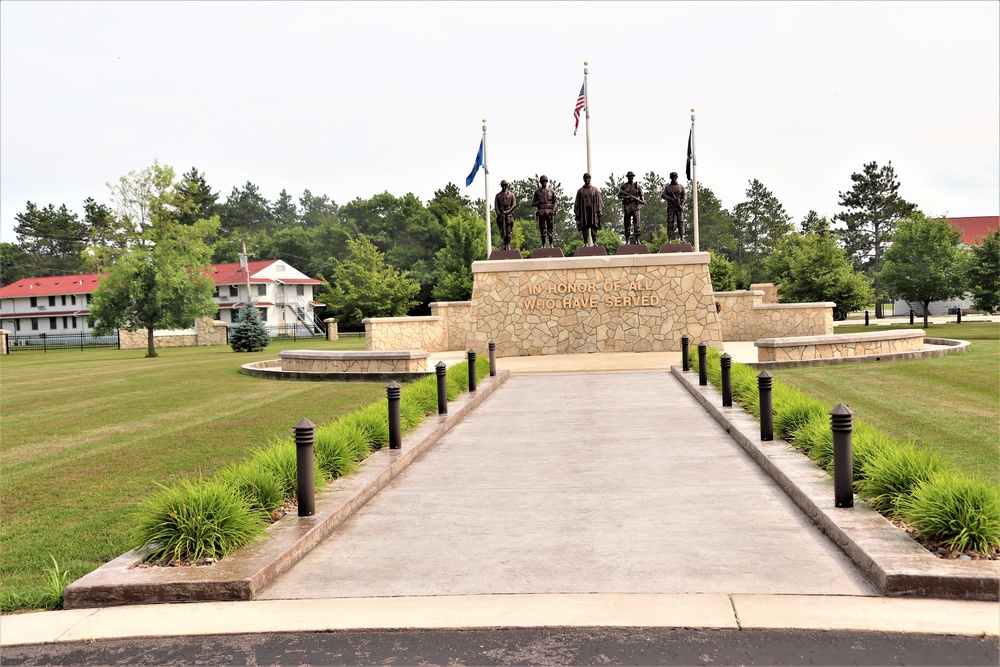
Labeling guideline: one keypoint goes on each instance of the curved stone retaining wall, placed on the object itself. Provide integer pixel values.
(840, 345)
(744, 317)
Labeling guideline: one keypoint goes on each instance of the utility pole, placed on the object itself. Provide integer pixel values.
(245, 265)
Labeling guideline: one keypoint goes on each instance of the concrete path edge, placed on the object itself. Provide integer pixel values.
(242, 575)
(892, 561)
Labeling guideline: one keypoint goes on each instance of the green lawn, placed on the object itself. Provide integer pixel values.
(86, 434)
(950, 403)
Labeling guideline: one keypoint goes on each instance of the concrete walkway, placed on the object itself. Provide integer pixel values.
(566, 483)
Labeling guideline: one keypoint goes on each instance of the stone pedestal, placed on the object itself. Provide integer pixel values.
(571, 305)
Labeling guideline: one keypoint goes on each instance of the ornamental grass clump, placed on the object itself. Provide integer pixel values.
(334, 456)
(892, 474)
(812, 434)
(793, 409)
(257, 484)
(961, 512)
(280, 458)
(196, 520)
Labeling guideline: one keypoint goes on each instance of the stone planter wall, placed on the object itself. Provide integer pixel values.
(457, 322)
(207, 332)
(322, 361)
(842, 345)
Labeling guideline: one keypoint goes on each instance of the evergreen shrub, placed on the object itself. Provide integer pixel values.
(249, 333)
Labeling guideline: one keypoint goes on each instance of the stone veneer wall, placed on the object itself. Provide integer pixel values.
(628, 303)
(405, 333)
(744, 317)
(323, 361)
(769, 291)
(456, 319)
(837, 346)
(207, 332)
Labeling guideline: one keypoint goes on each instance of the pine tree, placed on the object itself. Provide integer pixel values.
(249, 334)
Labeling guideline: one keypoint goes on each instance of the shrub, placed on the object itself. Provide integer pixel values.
(334, 455)
(893, 472)
(960, 511)
(347, 431)
(815, 433)
(249, 334)
(257, 484)
(196, 519)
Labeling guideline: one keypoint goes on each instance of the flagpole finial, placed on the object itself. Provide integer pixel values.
(585, 63)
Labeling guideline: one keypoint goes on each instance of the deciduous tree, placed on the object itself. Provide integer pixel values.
(363, 285)
(983, 273)
(925, 262)
(812, 267)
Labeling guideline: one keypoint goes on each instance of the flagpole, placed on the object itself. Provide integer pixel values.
(694, 184)
(586, 110)
(486, 180)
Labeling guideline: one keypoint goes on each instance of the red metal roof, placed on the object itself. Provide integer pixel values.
(232, 274)
(222, 274)
(975, 228)
(82, 284)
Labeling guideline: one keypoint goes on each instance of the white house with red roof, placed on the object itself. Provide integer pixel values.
(60, 305)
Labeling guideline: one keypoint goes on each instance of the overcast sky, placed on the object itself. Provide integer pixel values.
(352, 99)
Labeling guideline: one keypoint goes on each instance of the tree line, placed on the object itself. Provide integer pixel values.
(390, 255)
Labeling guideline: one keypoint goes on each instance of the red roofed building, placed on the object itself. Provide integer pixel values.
(60, 305)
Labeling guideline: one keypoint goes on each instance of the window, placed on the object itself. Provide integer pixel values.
(64, 299)
(216, 295)
(234, 290)
(53, 324)
(72, 299)
(263, 314)
(74, 321)
(52, 300)
(17, 325)
(65, 322)
(88, 299)
(34, 302)
(34, 324)
(261, 290)
(218, 315)
(300, 290)
(90, 321)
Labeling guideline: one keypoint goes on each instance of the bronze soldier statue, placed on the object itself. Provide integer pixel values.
(587, 210)
(503, 204)
(545, 204)
(676, 195)
(631, 195)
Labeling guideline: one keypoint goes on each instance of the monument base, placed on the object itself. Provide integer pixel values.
(579, 305)
(632, 249)
(676, 247)
(590, 251)
(545, 253)
(505, 254)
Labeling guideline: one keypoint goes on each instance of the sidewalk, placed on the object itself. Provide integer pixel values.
(583, 499)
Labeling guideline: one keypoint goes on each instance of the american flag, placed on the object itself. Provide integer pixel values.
(580, 102)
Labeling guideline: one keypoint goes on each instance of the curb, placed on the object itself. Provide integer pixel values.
(242, 575)
(895, 563)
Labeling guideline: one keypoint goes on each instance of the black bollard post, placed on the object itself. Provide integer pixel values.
(726, 362)
(305, 437)
(393, 392)
(764, 382)
(842, 423)
(702, 364)
(866, 318)
(472, 370)
(911, 316)
(493, 359)
(959, 313)
(442, 378)
(685, 344)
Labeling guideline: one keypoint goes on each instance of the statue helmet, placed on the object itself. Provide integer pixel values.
(630, 173)
(673, 174)
(503, 184)
(543, 179)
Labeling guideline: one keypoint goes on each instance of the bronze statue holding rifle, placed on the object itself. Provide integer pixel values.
(545, 203)
(676, 195)
(631, 195)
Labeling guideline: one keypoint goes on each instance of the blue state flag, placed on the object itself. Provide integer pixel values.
(475, 168)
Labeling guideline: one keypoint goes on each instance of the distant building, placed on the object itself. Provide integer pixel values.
(60, 305)
(973, 230)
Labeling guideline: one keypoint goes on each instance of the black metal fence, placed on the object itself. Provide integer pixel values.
(63, 341)
(292, 331)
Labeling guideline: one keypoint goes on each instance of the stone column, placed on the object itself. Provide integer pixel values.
(331, 329)
(4, 335)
